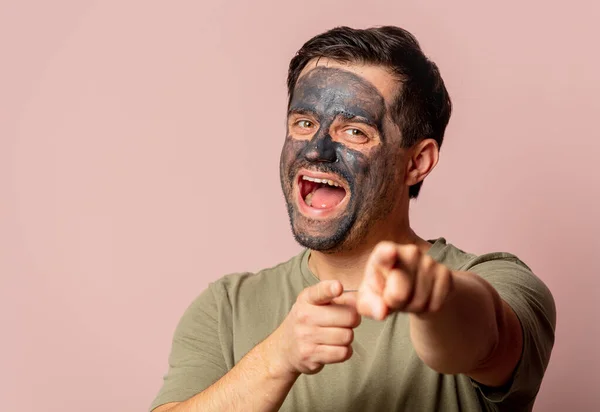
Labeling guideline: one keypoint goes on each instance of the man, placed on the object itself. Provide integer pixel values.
(370, 317)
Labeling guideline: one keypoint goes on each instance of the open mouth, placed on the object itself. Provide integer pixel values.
(321, 193)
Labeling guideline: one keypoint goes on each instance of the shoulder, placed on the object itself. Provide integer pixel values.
(252, 295)
(503, 270)
(243, 292)
(533, 304)
(525, 292)
(457, 259)
(275, 277)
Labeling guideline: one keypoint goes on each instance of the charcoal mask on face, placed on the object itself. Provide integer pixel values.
(329, 94)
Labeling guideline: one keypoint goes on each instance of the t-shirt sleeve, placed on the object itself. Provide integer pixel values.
(196, 360)
(533, 304)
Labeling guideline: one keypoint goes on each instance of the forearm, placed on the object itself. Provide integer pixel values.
(256, 383)
(464, 332)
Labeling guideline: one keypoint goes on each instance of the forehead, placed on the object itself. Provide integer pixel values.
(378, 77)
(334, 91)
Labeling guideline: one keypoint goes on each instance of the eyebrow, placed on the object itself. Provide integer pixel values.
(357, 119)
(301, 110)
(350, 117)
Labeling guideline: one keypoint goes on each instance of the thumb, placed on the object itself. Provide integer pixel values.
(323, 292)
(348, 298)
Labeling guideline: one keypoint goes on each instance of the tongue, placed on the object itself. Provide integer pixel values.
(326, 196)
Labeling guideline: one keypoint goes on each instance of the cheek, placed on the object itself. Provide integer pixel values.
(356, 162)
(383, 163)
(292, 149)
(365, 165)
(375, 170)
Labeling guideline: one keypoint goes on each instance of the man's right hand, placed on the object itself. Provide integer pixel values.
(317, 331)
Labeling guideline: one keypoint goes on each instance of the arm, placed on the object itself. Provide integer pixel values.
(316, 332)
(458, 322)
(254, 384)
(474, 333)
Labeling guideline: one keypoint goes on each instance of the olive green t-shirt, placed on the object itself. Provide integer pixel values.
(238, 311)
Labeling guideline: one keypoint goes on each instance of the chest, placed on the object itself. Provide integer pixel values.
(384, 373)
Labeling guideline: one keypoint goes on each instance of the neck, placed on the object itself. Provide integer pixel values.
(348, 266)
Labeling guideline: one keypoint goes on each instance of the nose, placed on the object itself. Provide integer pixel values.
(321, 149)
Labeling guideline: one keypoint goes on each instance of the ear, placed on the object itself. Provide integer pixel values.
(423, 158)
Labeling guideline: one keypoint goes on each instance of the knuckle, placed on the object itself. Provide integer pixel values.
(446, 279)
(395, 303)
(354, 319)
(302, 314)
(314, 367)
(305, 351)
(434, 307)
(428, 262)
(335, 354)
(444, 274)
(344, 352)
(349, 353)
(302, 333)
(419, 305)
(348, 337)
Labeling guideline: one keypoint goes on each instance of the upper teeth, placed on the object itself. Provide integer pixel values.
(314, 179)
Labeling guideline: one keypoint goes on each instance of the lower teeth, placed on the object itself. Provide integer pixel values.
(308, 199)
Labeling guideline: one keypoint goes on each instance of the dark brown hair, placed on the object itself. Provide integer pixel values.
(422, 110)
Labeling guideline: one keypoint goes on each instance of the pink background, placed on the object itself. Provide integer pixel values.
(139, 146)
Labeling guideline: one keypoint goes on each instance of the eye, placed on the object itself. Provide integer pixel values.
(354, 135)
(305, 124)
(355, 132)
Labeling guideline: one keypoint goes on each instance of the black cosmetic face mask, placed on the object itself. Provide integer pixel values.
(371, 170)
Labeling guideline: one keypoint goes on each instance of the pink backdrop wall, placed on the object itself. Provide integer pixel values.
(139, 146)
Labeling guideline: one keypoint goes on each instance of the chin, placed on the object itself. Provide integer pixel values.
(322, 244)
(327, 237)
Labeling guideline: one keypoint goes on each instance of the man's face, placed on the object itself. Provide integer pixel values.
(342, 163)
